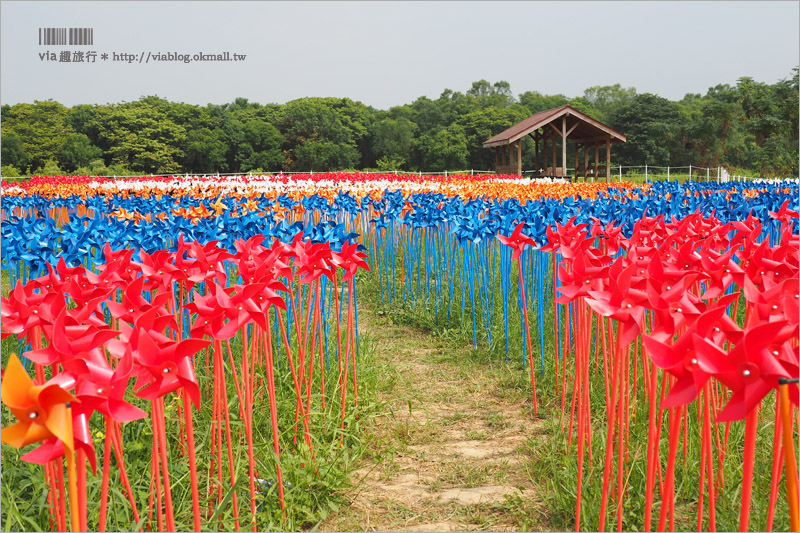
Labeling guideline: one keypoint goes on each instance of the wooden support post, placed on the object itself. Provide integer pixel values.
(585, 161)
(608, 160)
(564, 145)
(575, 177)
(519, 157)
(544, 153)
(555, 159)
(496, 159)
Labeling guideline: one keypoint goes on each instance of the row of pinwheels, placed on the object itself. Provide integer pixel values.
(300, 185)
(127, 340)
(38, 230)
(674, 291)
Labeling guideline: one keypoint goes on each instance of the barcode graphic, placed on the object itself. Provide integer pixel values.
(66, 36)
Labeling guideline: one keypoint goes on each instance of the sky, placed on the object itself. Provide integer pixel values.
(390, 53)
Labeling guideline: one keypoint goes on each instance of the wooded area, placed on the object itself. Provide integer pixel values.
(751, 125)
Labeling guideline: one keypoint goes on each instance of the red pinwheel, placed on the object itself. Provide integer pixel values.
(692, 367)
(167, 363)
(350, 260)
(24, 310)
(188, 271)
(613, 237)
(102, 389)
(70, 340)
(721, 271)
(314, 260)
(134, 304)
(784, 214)
(622, 301)
(770, 302)
(209, 259)
(275, 266)
(209, 316)
(754, 368)
(517, 241)
(157, 269)
(50, 282)
(118, 270)
(582, 279)
(249, 303)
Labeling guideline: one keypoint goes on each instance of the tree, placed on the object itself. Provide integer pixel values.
(488, 95)
(444, 149)
(13, 153)
(41, 127)
(652, 125)
(335, 126)
(205, 151)
(50, 168)
(79, 118)
(77, 151)
(393, 140)
(98, 168)
(10, 171)
(483, 124)
(325, 155)
(139, 136)
(535, 102)
(265, 141)
(387, 164)
(607, 100)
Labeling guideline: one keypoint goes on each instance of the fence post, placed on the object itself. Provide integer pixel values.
(690, 172)
(445, 173)
(708, 169)
(620, 173)
(667, 173)
(645, 172)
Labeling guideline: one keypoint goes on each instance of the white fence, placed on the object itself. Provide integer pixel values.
(668, 173)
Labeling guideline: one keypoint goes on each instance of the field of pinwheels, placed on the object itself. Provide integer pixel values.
(187, 352)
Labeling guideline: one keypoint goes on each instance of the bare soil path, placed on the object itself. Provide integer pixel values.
(449, 451)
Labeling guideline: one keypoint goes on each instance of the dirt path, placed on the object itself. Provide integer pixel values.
(449, 452)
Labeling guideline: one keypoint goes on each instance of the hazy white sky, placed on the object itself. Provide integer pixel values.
(389, 53)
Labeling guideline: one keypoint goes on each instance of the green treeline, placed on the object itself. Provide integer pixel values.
(751, 125)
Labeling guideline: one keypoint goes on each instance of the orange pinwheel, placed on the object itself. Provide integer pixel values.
(219, 206)
(42, 410)
(250, 205)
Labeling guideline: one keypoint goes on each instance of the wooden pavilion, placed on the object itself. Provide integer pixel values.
(547, 128)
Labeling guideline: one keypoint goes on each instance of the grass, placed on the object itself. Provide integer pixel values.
(553, 464)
